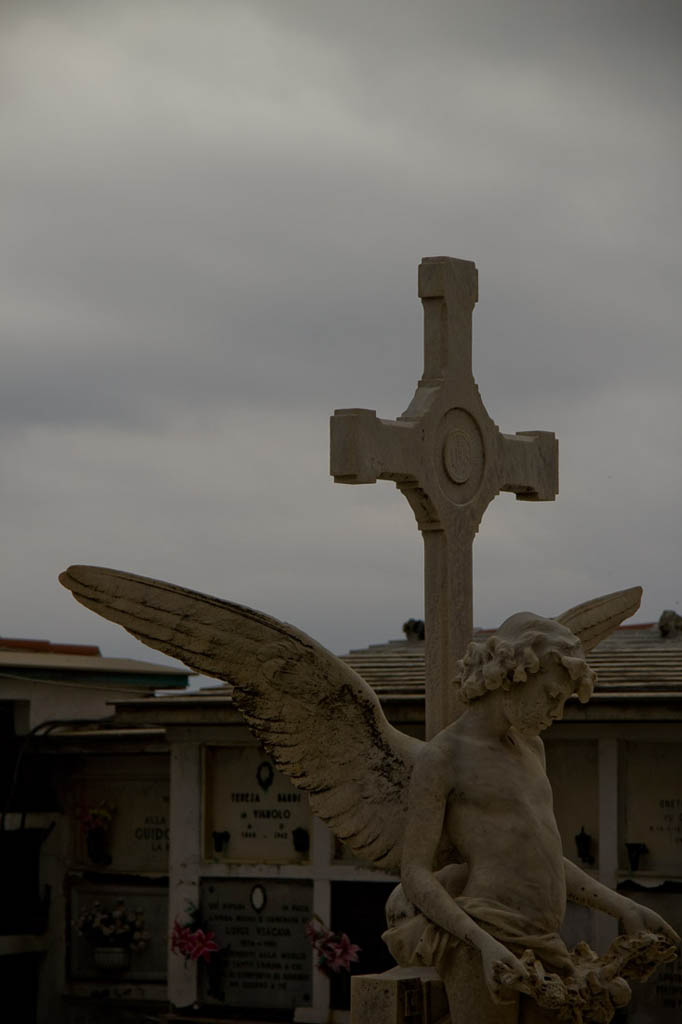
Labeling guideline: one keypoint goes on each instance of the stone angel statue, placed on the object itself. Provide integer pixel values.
(466, 819)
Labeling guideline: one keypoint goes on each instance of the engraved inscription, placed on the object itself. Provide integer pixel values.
(253, 814)
(268, 963)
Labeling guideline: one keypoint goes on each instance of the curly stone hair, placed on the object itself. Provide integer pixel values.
(522, 646)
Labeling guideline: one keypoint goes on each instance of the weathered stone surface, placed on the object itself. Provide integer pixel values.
(467, 817)
(405, 995)
(449, 459)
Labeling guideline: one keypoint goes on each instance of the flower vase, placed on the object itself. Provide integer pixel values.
(112, 958)
(97, 843)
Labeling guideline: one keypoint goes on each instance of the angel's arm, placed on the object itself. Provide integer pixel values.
(583, 889)
(428, 796)
(427, 802)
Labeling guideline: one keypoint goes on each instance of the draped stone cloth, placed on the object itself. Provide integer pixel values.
(415, 940)
(567, 986)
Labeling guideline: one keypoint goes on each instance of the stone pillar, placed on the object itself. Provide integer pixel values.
(606, 928)
(184, 861)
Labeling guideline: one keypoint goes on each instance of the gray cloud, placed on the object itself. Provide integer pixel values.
(212, 218)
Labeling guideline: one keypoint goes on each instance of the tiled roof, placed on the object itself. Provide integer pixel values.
(632, 658)
(394, 667)
(81, 663)
(46, 647)
(634, 661)
(638, 657)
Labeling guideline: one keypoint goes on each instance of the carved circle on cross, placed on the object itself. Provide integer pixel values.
(457, 456)
(462, 455)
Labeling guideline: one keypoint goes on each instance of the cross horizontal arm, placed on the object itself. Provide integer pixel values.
(530, 465)
(365, 449)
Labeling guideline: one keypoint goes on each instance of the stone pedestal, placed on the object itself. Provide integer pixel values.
(413, 995)
(403, 995)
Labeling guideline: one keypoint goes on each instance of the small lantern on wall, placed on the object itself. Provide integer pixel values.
(635, 851)
(220, 840)
(583, 844)
(301, 840)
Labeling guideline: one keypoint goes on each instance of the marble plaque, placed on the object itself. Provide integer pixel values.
(149, 964)
(572, 769)
(137, 837)
(259, 924)
(651, 812)
(659, 1001)
(252, 813)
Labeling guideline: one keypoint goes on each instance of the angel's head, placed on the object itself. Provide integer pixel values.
(526, 647)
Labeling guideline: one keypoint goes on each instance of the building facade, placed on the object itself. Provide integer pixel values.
(226, 864)
(65, 773)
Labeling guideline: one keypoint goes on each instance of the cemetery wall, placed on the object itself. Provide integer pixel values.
(204, 834)
(58, 849)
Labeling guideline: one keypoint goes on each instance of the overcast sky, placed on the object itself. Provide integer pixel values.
(212, 217)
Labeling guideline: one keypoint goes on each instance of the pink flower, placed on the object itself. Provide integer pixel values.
(192, 944)
(180, 939)
(334, 951)
(341, 954)
(202, 945)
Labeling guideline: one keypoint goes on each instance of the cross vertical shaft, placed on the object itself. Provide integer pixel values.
(448, 617)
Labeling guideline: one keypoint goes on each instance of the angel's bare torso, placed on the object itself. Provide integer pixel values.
(480, 787)
(499, 815)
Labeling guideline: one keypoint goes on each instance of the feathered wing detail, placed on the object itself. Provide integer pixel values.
(592, 621)
(321, 723)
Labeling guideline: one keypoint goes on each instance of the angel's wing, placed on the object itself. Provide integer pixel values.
(319, 720)
(594, 620)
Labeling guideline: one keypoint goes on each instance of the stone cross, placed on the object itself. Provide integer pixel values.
(449, 459)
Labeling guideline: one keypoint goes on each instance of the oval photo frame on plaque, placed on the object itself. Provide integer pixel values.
(258, 898)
